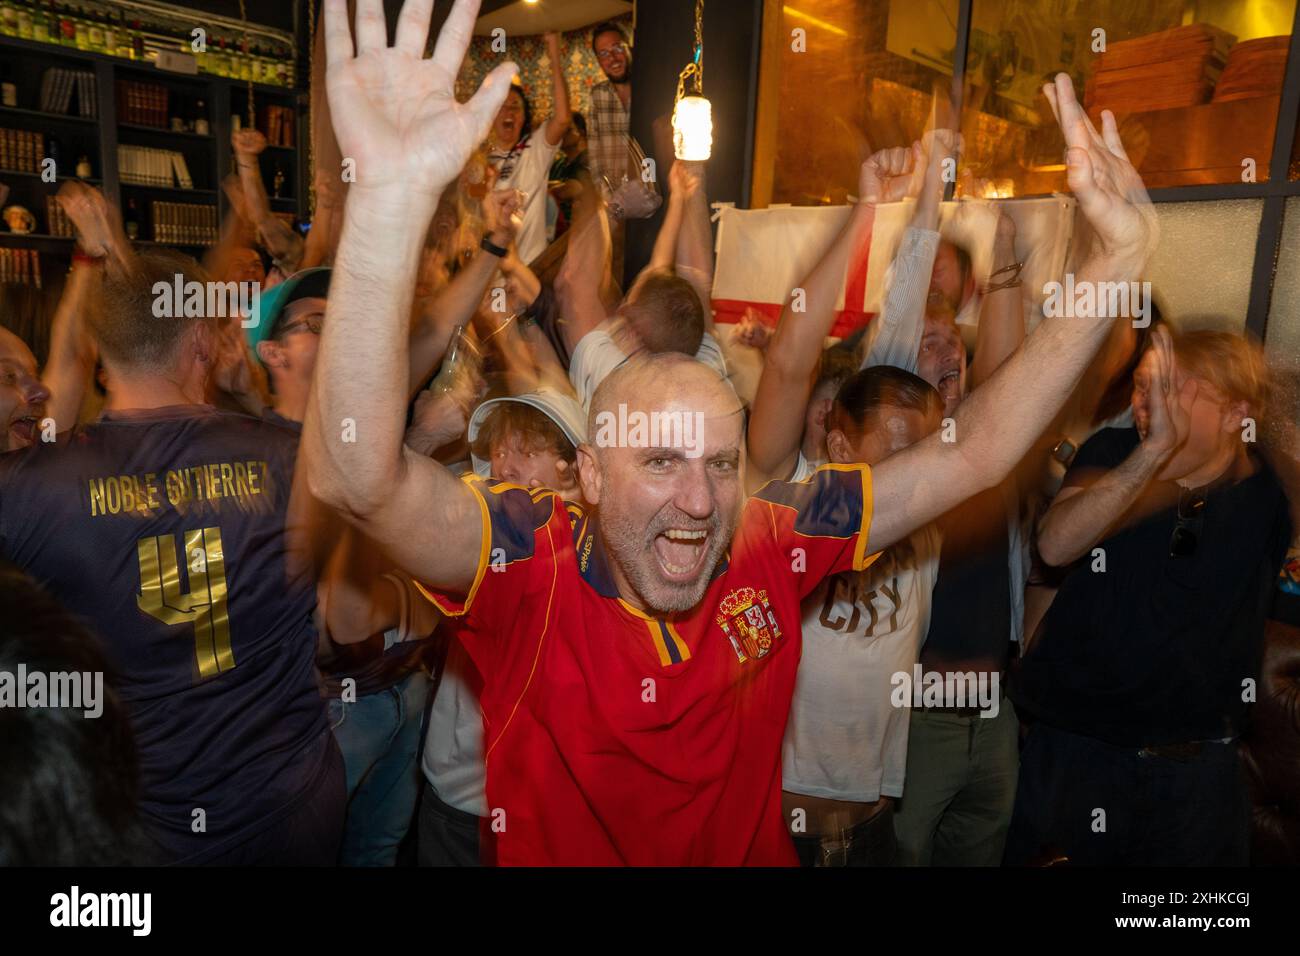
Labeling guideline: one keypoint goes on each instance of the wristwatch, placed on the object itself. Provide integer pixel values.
(1064, 451)
(487, 245)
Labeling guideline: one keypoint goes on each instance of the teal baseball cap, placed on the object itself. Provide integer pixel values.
(304, 284)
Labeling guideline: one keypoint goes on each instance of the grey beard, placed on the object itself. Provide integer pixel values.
(658, 595)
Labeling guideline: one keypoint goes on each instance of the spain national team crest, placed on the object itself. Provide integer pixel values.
(747, 619)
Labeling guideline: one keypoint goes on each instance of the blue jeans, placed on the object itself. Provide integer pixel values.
(869, 843)
(379, 736)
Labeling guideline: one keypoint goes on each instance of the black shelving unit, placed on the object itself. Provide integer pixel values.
(208, 156)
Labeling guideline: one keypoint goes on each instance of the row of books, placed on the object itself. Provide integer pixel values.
(20, 267)
(276, 124)
(144, 104)
(57, 220)
(184, 223)
(58, 85)
(146, 166)
(21, 151)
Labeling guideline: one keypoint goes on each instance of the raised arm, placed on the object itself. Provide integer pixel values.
(396, 115)
(894, 336)
(683, 183)
(777, 418)
(236, 233)
(1002, 313)
(284, 245)
(1082, 516)
(560, 119)
(584, 272)
(457, 302)
(71, 359)
(322, 238)
(695, 243)
(998, 423)
(72, 354)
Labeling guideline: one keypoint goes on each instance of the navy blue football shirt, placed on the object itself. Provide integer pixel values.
(165, 530)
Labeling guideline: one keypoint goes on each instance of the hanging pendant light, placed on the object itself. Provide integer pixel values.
(693, 114)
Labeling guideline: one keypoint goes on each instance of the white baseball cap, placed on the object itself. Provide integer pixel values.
(558, 407)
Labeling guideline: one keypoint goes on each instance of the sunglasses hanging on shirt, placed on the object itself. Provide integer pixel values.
(1187, 531)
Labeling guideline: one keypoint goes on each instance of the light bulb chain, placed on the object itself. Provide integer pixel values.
(696, 67)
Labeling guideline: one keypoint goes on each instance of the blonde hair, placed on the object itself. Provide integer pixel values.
(1229, 362)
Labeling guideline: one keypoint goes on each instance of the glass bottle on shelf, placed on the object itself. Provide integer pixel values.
(8, 19)
(131, 220)
(221, 62)
(123, 34)
(110, 34)
(201, 119)
(277, 184)
(25, 23)
(67, 29)
(8, 89)
(81, 30)
(84, 170)
(137, 41)
(40, 25)
(96, 32)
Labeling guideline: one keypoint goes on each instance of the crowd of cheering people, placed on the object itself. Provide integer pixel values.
(362, 573)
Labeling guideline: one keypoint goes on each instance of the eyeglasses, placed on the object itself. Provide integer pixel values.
(610, 52)
(312, 325)
(1187, 531)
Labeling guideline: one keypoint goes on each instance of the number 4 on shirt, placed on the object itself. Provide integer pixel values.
(204, 606)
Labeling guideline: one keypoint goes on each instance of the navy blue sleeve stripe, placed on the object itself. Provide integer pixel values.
(827, 505)
(516, 518)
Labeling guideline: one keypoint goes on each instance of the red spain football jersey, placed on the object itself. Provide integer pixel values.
(613, 737)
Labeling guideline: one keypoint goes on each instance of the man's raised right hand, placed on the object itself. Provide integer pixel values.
(395, 113)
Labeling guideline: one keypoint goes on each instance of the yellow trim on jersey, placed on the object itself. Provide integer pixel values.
(641, 614)
(537, 655)
(485, 547)
(862, 560)
(657, 639)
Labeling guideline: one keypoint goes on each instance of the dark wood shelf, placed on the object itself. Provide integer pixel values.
(93, 180)
(170, 245)
(147, 67)
(202, 193)
(99, 137)
(43, 116)
(43, 238)
(162, 131)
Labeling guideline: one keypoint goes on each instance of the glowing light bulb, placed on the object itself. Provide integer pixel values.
(693, 128)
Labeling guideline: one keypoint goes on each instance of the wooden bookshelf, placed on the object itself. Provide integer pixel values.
(207, 156)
